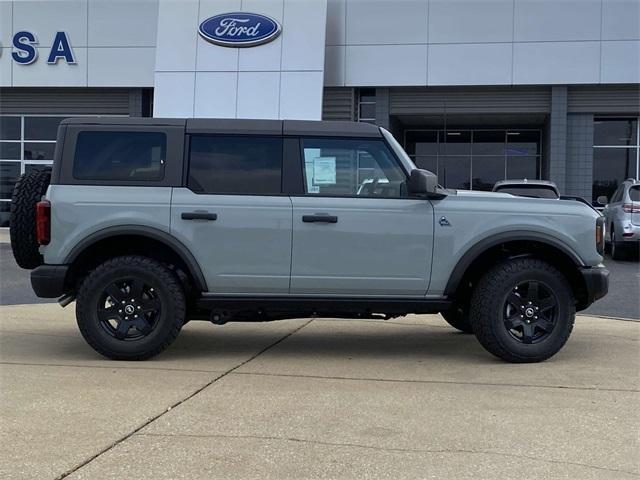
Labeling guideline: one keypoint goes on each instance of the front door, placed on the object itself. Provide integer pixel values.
(355, 230)
(233, 216)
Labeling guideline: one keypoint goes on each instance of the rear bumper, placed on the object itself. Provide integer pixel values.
(596, 280)
(48, 280)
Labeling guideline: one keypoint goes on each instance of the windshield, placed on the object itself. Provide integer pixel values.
(398, 150)
(634, 193)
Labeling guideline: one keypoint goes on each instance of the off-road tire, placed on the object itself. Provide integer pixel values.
(617, 250)
(458, 318)
(28, 191)
(170, 319)
(488, 303)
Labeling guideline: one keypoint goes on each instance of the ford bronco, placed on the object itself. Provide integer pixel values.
(150, 223)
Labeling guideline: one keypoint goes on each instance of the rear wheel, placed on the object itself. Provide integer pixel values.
(28, 191)
(130, 308)
(523, 310)
(617, 252)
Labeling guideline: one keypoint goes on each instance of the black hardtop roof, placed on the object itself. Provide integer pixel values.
(241, 126)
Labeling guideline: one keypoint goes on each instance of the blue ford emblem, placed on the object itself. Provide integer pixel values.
(239, 29)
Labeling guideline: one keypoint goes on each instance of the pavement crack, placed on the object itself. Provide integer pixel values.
(393, 449)
(178, 403)
(443, 382)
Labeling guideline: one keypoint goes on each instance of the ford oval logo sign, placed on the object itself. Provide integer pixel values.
(239, 29)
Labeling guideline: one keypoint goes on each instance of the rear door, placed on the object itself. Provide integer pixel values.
(355, 230)
(233, 215)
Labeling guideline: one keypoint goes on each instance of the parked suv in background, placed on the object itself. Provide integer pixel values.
(150, 223)
(622, 214)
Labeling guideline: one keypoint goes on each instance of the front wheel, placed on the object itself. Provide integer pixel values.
(130, 308)
(523, 310)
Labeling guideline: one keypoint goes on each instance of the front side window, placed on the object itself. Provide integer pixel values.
(235, 165)
(120, 156)
(363, 168)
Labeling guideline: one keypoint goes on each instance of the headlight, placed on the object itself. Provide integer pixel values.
(600, 231)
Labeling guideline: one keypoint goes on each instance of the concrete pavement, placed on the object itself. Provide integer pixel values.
(407, 398)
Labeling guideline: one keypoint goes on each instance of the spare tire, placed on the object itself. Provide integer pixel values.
(28, 191)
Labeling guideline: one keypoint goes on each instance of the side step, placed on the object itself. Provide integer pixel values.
(223, 308)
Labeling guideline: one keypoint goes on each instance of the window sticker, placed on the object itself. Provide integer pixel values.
(324, 171)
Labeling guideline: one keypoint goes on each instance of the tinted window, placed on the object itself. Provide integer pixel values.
(634, 193)
(234, 164)
(120, 156)
(364, 168)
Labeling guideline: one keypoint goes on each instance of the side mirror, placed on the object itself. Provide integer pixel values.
(602, 200)
(422, 182)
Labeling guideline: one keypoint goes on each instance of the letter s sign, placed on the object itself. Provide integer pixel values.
(24, 42)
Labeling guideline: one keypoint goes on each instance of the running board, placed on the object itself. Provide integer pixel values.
(223, 308)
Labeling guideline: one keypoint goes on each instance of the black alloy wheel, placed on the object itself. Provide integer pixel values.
(128, 309)
(530, 312)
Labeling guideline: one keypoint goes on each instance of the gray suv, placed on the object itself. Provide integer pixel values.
(150, 223)
(622, 214)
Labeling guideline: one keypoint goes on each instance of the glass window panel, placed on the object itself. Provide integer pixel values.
(621, 131)
(488, 142)
(9, 128)
(455, 143)
(39, 151)
(611, 166)
(523, 142)
(5, 209)
(457, 172)
(9, 150)
(235, 164)
(128, 156)
(367, 110)
(41, 128)
(331, 168)
(523, 167)
(422, 143)
(427, 163)
(9, 172)
(367, 95)
(634, 193)
(487, 171)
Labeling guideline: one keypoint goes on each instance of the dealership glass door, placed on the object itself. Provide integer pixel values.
(616, 153)
(476, 159)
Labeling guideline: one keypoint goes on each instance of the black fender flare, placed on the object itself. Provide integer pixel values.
(485, 244)
(143, 231)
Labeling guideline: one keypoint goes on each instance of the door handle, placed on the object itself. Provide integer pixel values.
(320, 218)
(199, 216)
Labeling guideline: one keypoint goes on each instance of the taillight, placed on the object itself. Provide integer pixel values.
(43, 222)
(631, 207)
(600, 235)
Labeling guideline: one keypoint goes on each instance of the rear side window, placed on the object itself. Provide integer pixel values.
(126, 156)
(228, 164)
(634, 193)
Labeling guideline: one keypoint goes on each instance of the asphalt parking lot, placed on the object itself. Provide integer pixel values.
(622, 301)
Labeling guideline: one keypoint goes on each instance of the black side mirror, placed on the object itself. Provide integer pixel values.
(422, 182)
(602, 200)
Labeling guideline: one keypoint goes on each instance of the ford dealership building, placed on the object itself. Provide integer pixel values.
(476, 90)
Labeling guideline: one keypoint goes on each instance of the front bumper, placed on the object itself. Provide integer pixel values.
(596, 280)
(48, 280)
